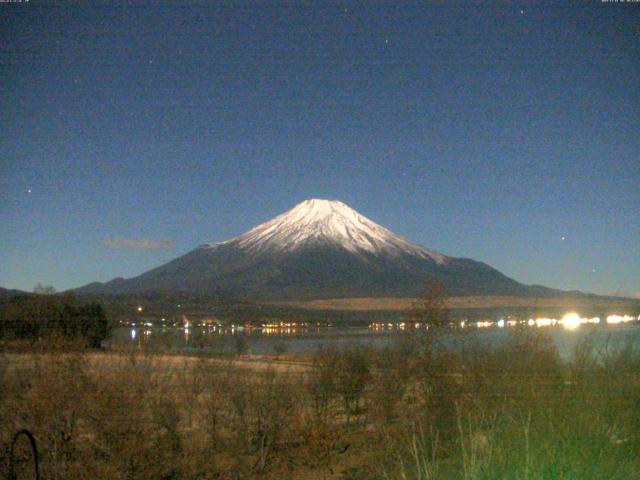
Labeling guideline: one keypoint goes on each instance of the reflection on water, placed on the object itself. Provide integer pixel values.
(305, 338)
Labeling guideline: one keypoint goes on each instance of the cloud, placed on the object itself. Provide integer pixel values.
(144, 244)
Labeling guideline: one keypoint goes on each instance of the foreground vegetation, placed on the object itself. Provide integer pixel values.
(413, 412)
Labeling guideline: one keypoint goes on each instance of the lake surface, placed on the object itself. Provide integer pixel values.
(231, 340)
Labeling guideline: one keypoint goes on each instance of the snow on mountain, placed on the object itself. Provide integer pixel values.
(318, 249)
(316, 221)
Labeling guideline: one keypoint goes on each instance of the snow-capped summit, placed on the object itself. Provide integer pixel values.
(322, 222)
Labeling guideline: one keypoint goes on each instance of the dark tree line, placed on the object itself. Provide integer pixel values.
(36, 317)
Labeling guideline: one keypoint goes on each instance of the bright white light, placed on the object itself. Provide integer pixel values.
(484, 324)
(531, 322)
(139, 309)
(613, 319)
(133, 334)
(501, 323)
(571, 321)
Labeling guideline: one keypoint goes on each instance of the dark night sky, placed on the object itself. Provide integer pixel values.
(504, 132)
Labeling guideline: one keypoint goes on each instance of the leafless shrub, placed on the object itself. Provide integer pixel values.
(190, 384)
(213, 402)
(321, 384)
(352, 376)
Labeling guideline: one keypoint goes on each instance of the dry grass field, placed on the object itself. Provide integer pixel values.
(414, 411)
(369, 304)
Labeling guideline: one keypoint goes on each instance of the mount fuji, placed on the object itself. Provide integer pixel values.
(318, 249)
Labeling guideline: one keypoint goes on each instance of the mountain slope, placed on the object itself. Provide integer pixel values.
(318, 249)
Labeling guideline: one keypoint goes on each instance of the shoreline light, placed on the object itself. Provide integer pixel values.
(571, 321)
(613, 319)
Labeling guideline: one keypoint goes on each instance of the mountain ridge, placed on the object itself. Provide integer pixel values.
(319, 249)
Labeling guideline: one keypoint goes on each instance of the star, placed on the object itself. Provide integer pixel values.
(521, 12)
(28, 190)
(563, 238)
(386, 41)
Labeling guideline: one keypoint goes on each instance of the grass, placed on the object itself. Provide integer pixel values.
(516, 411)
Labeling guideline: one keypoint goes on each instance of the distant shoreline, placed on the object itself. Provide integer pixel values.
(491, 301)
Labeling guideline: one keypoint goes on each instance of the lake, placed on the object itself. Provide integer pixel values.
(231, 340)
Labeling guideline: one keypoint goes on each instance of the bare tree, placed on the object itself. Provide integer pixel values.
(41, 289)
(431, 309)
